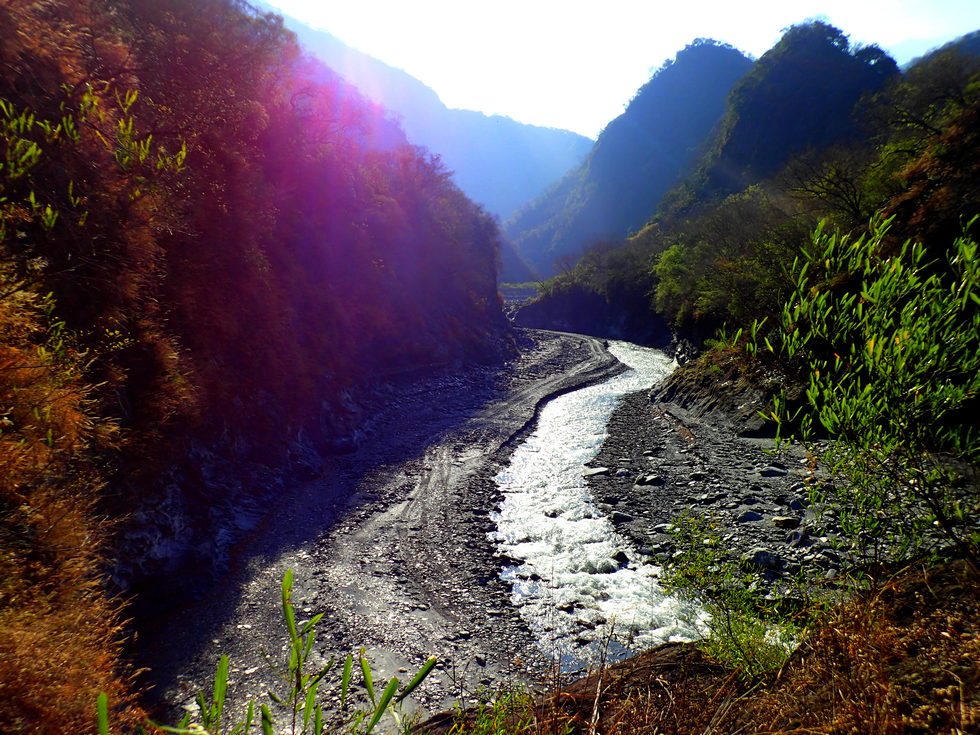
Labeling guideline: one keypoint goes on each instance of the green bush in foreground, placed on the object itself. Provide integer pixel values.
(889, 350)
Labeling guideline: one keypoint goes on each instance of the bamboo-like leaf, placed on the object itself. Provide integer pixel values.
(382, 705)
(418, 678)
(368, 678)
(220, 689)
(345, 679)
(311, 623)
(308, 707)
(266, 721)
(102, 713)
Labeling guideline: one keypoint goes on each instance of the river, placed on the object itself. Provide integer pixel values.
(582, 588)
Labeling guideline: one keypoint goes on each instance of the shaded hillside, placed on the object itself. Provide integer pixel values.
(800, 95)
(637, 158)
(206, 256)
(498, 162)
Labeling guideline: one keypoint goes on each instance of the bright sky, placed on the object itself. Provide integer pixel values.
(575, 64)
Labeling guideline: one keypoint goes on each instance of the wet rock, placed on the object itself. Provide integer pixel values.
(620, 517)
(595, 471)
(621, 557)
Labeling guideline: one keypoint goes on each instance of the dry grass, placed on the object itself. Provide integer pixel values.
(58, 633)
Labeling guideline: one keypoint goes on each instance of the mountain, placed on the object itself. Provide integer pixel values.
(498, 162)
(637, 158)
(800, 95)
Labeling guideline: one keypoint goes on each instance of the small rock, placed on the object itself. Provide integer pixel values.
(798, 538)
(786, 521)
(620, 517)
(622, 472)
(797, 503)
(596, 471)
(749, 516)
(621, 557)
(697, 475)
(650, 480)
(774, 470)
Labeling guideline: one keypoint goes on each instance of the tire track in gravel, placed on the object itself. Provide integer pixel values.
(390, 545)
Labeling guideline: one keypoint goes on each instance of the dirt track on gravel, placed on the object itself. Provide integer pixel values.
(390, 543)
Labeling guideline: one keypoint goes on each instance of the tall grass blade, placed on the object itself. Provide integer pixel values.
(382, 706)
(418, 679)
(102, 713)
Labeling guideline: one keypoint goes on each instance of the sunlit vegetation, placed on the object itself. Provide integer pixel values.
(203, 236)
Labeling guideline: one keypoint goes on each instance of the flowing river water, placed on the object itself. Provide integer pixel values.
(583, 589)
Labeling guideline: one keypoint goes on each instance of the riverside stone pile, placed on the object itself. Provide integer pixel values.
(667, 459)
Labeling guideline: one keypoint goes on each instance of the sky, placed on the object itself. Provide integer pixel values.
(575, 64)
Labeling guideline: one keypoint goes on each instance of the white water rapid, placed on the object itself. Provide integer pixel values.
(583, 588)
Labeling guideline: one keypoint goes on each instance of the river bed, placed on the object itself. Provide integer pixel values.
(582, 587)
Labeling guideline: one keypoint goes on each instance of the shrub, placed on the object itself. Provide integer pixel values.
(888, 349)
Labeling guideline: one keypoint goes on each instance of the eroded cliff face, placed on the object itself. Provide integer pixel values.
(625, 315)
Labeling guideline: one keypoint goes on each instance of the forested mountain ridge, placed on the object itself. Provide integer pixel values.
(208, 254)
(498, 162)
(719, 249)
(637, 158)
(800, 95)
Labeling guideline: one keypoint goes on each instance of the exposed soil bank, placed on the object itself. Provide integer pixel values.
(390, 543)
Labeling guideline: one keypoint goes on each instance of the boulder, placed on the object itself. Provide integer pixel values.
(762, 558)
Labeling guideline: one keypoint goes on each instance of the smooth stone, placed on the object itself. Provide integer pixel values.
(774, 470)
(596, 471)
(788, 522)
(650, 480)
(749, 516)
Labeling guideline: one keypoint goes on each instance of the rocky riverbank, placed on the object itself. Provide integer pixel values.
(681, 451)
